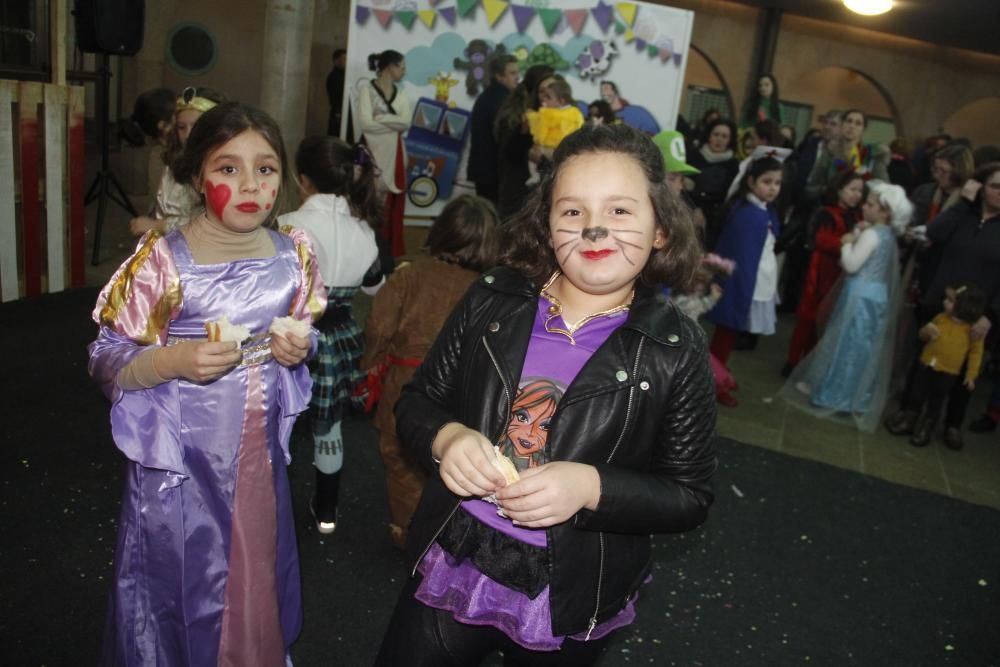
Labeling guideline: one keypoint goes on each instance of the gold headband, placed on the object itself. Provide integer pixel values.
(189, 100)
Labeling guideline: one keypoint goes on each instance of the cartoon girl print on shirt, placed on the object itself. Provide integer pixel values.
(531, 414)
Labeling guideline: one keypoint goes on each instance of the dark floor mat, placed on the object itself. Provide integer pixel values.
(799, 563)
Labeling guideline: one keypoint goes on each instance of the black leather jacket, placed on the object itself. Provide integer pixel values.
(642, 411)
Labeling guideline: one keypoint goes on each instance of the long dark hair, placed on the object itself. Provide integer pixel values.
(337, 168)
(753, 102)
(716, 123)
(525, 239)
(465, 233)
(219, 125)
(755, 170)
(511, 113)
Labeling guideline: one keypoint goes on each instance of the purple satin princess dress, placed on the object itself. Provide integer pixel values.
(206, 567)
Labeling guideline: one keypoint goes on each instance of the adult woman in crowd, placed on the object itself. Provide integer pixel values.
(514, 141)
(968, 234)
(951, 167)
(847, 151)
(719, 166)
(762, 103)
(384, 115)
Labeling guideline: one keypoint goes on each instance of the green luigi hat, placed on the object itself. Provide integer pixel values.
(671, 144)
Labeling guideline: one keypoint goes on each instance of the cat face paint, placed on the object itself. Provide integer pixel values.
(602, 226)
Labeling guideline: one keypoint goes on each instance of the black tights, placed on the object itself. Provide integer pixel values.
(421, 636)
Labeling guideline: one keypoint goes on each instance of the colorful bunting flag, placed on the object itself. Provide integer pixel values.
(465, 6)
(677, 59)
(629, 36)
(361, 15)
(406, 18)
(576, 18)
(627, 10)
(522, 16)
(640, 44)
(448, 14)
(427, 16)
(494, 10)
(619, 28)
(550, 19)
(652, 50)
(384, 16)
(665, 55)
(603, 14)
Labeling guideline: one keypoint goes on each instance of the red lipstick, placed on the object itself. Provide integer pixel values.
(248, 207)
(597, 254)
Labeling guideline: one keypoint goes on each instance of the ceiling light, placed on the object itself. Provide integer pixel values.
(868, 7)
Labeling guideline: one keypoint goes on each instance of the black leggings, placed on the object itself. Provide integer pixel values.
(421, 636)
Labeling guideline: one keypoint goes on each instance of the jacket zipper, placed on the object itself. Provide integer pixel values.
(614, 450)
(506, 391)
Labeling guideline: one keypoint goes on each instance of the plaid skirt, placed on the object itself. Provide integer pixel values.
(334, 369)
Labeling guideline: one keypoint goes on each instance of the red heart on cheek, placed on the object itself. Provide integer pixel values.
(217, 196)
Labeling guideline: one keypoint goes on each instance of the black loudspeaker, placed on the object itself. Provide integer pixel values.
(109, 26)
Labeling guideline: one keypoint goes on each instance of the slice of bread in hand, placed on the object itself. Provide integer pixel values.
(505, 465)
(287, 325)
(223, 330)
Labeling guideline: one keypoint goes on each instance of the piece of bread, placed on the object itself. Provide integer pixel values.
(505, 466)
(224, 330)
(286, 325)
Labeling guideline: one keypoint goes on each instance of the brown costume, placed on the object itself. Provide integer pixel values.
(405, 318)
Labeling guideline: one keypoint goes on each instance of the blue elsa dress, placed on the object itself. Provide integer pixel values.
(846, 376)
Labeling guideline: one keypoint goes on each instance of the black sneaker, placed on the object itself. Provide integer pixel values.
(984, 424)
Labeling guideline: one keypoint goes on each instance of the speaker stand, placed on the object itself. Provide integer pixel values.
(105, 185)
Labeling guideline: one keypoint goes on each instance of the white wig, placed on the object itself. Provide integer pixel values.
(893, 199)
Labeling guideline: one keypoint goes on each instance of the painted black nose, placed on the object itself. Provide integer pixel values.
(595, 233)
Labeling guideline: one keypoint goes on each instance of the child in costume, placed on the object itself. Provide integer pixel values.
(404, 320)
(747, 238)
(557, 118)
(830, 223)
(702, 297)
(339, 184)
(177, 203)
(568, 360)
(206, 569)
(948, 348)
(847, 374)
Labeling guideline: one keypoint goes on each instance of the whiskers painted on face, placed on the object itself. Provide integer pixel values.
(594, 234)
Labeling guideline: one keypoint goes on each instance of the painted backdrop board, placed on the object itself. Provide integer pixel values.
(642, 47)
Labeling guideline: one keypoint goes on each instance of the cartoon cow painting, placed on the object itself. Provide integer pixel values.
(595, 60)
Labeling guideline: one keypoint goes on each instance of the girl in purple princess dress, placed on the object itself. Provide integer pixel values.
(206, 569)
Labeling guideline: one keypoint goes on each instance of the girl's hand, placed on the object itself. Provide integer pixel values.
(465, 457)
(715, 290)
(971, 189)
(551, 494)
(847, 238)
(980, 328)
(535, 153)
(196, 361)
(289, 350)
(970, 384)
(929, 332)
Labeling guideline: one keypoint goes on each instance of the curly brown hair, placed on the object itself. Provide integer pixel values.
(525, 244)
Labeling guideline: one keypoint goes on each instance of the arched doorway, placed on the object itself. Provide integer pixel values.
(976, 121)
(840, 88)
(704, 88)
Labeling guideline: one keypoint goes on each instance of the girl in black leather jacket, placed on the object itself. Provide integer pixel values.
(568, 362)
